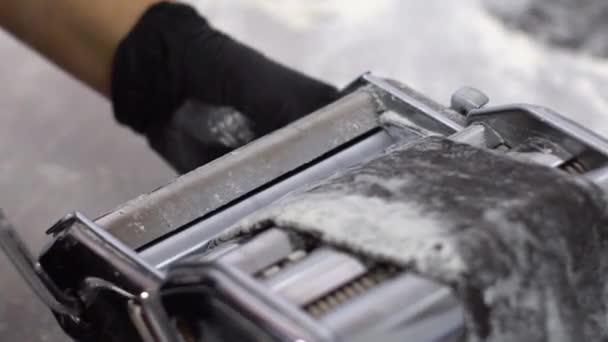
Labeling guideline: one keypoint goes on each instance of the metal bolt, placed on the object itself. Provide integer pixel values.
(467, 99)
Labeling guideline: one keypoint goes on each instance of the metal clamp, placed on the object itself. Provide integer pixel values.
(107, 262)
(517, 123)
(31, 271)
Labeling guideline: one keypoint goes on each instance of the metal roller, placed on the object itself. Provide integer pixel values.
(262, 251)
(321, 272)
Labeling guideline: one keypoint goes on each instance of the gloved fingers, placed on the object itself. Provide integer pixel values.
(270, 94)
(173, 55)
(197, 134)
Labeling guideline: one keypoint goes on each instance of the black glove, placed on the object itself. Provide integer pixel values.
(198, 133)
(173, 55)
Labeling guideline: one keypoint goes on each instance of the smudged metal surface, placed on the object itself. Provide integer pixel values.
(198, 193)
(524, 246)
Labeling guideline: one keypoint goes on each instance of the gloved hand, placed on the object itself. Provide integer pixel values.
(198, 133)
(172, 56)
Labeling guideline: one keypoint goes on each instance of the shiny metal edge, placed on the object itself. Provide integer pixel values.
(206, 189)
(195, 237)
(417, 108)
(545, 116)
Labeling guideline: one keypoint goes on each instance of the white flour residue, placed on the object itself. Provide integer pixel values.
(398, 231)
(303, 15)
(518, 50)
(511, 52)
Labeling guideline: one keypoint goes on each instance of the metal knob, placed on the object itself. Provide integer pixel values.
(467, 99)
